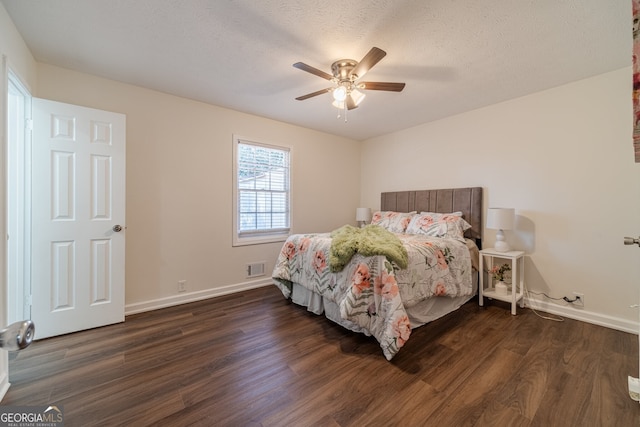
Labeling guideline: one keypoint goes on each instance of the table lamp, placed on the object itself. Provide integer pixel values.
(363, 216)
(501, 219)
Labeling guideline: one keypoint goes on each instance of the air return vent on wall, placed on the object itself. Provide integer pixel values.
(256, 269)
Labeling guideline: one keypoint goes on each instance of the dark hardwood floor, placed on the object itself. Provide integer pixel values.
(253, 359)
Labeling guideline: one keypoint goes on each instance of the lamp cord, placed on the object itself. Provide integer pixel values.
(555, 319)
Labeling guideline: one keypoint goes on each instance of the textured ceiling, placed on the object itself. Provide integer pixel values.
(454, 55)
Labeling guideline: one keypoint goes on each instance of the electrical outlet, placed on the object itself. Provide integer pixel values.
(182, 285)
(579, 302)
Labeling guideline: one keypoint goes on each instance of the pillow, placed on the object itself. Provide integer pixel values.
(450, 225)
(396, 222)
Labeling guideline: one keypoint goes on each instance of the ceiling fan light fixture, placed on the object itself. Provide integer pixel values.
(357, 96)
(340, 93)
(338, 104)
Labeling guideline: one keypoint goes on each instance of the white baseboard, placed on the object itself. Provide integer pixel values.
(584, 315)
(4, 385)
(186, 297)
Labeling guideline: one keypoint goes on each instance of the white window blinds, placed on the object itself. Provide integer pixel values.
(262, 189)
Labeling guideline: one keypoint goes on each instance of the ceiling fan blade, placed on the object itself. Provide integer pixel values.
(311, 95)
(392, 87)
(309, 69)
(370, 59)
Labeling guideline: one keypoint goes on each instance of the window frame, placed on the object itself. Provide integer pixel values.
(258, 236)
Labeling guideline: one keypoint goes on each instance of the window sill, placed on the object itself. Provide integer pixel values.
(259, 240)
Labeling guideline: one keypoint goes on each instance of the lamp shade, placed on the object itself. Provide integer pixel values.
(357, 96)
(363, 214)
(501, 218)
(340, 93)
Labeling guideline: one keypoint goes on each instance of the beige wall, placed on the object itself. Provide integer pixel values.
(563, 158)
(179, 182)
(14, 49)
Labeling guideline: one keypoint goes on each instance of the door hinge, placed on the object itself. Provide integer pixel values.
(28, 300)
(28, 124)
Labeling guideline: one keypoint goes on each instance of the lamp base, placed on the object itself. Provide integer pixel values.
(502, 246)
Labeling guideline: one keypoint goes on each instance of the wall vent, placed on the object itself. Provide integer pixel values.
(256, 269)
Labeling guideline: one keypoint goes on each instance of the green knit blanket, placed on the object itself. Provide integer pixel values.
(369, 240)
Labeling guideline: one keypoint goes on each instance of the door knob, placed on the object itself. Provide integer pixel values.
(631, 241)
(17, 335)
(117, 228)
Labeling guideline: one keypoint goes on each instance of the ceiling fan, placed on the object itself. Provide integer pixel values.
(346, 87)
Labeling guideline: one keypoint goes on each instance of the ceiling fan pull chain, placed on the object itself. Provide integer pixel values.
(344, 112)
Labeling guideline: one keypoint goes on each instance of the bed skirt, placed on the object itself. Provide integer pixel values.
(419, 314)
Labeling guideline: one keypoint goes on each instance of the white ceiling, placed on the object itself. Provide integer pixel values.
(454, 55)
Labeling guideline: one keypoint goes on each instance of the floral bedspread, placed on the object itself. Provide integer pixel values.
(371, 291)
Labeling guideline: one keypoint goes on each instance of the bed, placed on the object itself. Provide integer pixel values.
(376, 291)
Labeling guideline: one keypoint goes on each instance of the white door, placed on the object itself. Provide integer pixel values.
(78, 214)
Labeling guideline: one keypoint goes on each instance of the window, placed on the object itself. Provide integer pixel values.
(261, 211)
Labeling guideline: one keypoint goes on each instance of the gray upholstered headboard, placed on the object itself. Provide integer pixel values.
(466, 200)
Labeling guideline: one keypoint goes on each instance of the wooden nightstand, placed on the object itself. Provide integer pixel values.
(517, 277)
